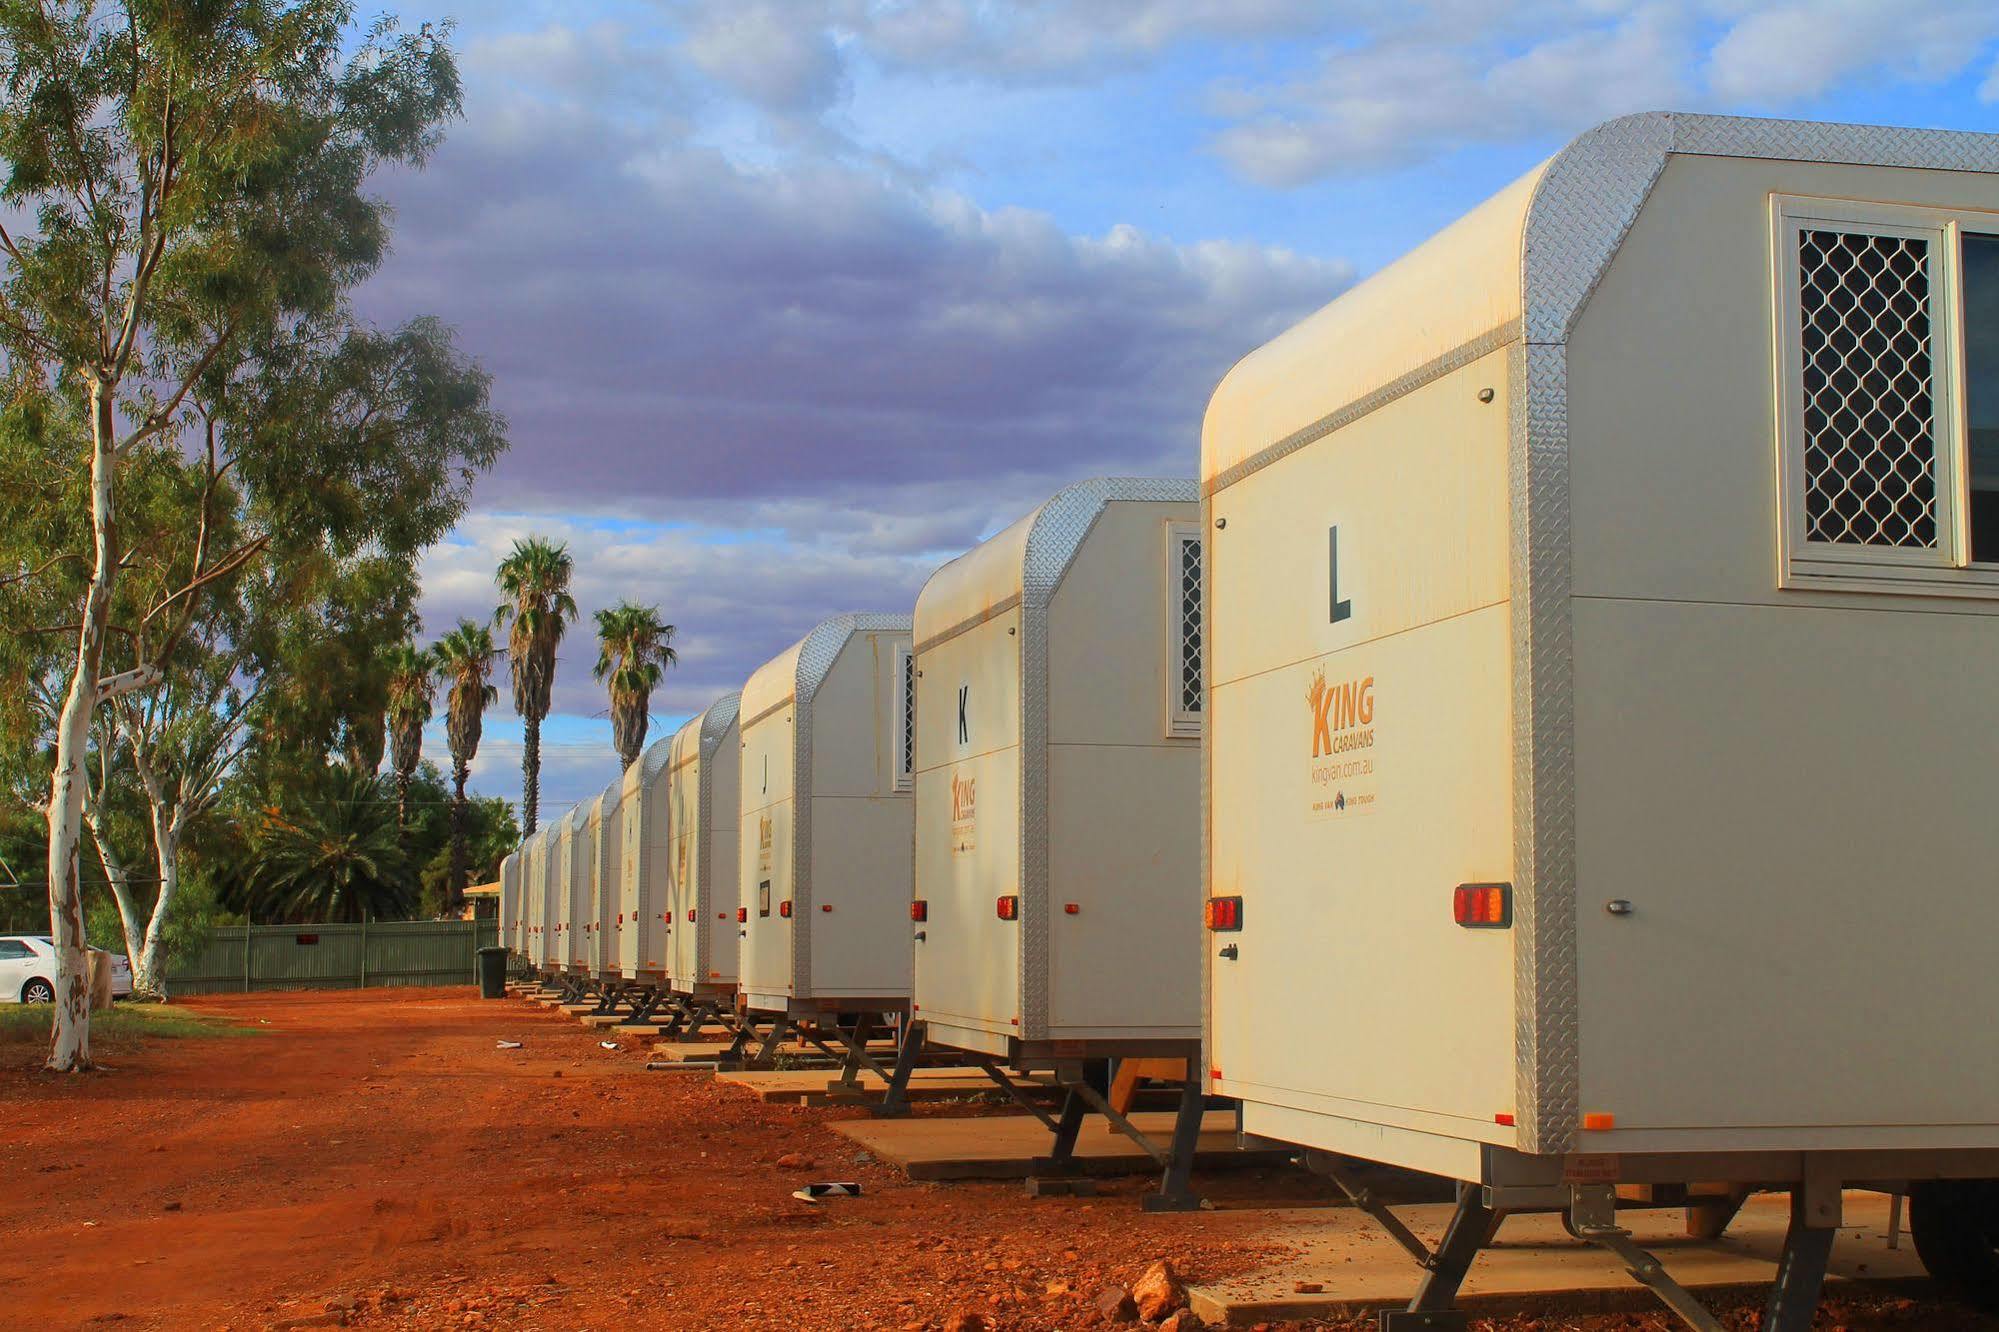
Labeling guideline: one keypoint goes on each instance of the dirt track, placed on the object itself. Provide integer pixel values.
(372, 1160)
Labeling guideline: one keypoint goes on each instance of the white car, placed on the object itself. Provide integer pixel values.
(28, 970)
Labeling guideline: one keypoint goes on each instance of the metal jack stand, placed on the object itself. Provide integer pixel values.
(1057, 1172)
(1471, 1228)
(858, 1057)
(1794, 1297)
(895, 1104)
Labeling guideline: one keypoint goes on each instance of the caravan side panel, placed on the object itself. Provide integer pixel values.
(1361, 746)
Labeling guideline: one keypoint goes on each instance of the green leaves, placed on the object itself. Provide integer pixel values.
(635, 647)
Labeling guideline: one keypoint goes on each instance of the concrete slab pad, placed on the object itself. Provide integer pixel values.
(624, 1028)
(797, 1054)
(602, 1019)
(1534, 1264)
(689, 1051)
(1004, 1146)
(809, 1086)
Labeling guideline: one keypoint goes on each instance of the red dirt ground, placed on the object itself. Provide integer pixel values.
(373, 1160)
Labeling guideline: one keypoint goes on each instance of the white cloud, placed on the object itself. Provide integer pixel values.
(1382, 106)
(1790, 52)
(775, 54)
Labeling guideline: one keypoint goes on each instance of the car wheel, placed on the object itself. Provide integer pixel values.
(38, 991)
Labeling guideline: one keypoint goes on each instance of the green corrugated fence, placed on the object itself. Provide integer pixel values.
(334, 957)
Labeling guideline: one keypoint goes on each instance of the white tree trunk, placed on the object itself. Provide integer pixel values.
(120, 880)
(149, 973)
(69, 1044)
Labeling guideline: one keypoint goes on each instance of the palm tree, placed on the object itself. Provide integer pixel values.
(535, 579)
(634, 648)
(412, 684)
(337, 857)
(464, 658)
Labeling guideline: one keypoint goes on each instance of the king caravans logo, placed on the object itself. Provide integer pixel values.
(763, 832)
(964, 798)
(1342, 714)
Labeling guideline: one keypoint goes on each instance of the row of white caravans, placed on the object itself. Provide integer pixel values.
(1594, 648)
(969, 814)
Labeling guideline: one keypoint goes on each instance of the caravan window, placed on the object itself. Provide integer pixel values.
(1183, 645)
(905, 732)
(1888, 359)
(1981, 390)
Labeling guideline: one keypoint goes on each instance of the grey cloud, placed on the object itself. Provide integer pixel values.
(667, 326)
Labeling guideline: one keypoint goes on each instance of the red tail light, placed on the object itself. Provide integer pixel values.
(1009, 908)
(1483, 906)
(690, 915)
(742, 915)
(919, 910)
(784, 908)
(1223, 913)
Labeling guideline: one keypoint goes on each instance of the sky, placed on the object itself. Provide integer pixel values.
(787, 302)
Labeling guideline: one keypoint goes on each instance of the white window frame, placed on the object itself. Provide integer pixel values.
(905, 716)
(1180, 722)
(1946, 569)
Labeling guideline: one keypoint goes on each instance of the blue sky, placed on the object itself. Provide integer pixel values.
(788, 301)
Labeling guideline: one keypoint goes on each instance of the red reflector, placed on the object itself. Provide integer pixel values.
(784, 907)
(919, 910)
(1009, 908)
(1224, 913)
(1503, 1120)
(1483, 906)
(825, 906)
(1215, 1074)
(690, 915)
(742, 915)
(1071, 909)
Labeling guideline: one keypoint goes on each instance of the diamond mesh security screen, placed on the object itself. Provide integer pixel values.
(909, 714)
(1190, 624)
(1869, 405)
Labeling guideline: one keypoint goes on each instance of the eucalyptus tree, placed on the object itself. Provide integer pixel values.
(535, 580)
(634, 648)
(183, 211)
(412, 675)
(465, 661)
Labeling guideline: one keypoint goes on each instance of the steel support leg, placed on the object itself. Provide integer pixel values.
(746, 1031)
(1016, 1095)
(895, 1104)
(1176, 1191)
(1433, 1307)
(773, 1039)
(1794, 1298)
(1061, 1158)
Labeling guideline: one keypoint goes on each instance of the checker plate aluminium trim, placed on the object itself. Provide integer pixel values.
(1582, 208)
(816, 656)
(1057, 535)
(716, 724)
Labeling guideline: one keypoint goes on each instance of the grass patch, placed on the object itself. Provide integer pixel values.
(122, 1024)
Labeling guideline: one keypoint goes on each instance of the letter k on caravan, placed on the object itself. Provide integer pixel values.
(1337, 708)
